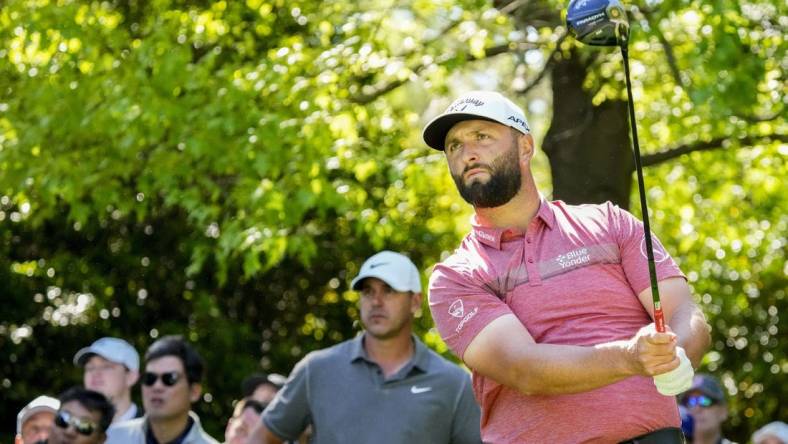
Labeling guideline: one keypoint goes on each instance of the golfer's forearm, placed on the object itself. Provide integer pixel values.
(689, 324)
(562, 369)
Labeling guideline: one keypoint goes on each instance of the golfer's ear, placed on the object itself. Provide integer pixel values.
(526, 144)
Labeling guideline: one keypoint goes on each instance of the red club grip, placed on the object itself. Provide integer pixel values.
(659, 319)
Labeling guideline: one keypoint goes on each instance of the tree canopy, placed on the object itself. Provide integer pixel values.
(221, 169)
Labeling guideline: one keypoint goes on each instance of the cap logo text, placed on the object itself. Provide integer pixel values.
(518, 121)
(462, 104)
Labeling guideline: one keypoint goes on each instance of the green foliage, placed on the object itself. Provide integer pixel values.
(221, 169)
(712, 74)
(723, 214)
(218, 170)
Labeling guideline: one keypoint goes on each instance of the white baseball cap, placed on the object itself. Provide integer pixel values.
(112, 349)
(484, 105)
(40, 404)
(392, 268)
(777, 429)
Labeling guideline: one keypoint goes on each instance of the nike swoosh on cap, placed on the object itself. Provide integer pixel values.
(377, 265)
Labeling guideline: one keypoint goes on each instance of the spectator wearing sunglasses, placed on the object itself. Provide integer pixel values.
(705, 402)
(246, 415)
(262, 387)
(83, 418)
(170, 385)
(111, 367)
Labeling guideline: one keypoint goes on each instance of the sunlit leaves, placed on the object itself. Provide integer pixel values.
(220, 169)
(725, 218)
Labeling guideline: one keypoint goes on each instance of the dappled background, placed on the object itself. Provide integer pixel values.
(221, 169)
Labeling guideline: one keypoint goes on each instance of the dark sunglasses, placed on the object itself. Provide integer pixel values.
(698, 400)
(82, 426)
(169, 378)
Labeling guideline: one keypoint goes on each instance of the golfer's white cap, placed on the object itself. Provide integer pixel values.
(112, 349)
(485, 105)
(392, 268)
(40, 404)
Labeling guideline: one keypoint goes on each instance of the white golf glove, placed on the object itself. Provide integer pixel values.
(679, 379)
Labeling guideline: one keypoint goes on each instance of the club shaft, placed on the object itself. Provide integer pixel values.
(659, 317)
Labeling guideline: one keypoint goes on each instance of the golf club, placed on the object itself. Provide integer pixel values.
(604, 23)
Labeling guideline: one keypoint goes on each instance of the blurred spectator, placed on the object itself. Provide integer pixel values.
(83, 418)
(262, 387)
(384, 386)
(245, 416)
(170, 384)
(773, 433)
(35, 420)
(687, 423)
(112, 368)
(705, 402)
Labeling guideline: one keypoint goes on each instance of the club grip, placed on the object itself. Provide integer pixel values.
(659, 319)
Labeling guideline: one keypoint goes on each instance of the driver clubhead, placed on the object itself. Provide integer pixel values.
(598, 22)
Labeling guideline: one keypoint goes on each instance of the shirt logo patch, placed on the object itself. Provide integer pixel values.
(416, 389)
(659, 251)
(456, 309)
(574, 257)
(466, 319)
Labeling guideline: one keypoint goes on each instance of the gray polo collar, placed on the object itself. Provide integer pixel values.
(420, 358)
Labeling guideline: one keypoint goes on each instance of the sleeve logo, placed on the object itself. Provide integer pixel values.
(659, 251)
(456, 309)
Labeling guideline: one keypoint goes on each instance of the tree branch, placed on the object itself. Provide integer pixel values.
(722, 142)
(545, 69)
(670, 56)
(752, 118)
(381, 88)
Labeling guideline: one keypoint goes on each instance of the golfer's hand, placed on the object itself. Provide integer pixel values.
(651, 352)
(678, 380)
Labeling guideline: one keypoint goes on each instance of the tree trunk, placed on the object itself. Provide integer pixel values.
(588, 145)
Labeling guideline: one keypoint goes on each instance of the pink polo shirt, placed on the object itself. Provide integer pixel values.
(571, 278)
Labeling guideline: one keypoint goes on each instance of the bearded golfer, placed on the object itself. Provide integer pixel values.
(550, 304)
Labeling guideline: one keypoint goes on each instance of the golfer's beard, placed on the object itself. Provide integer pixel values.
(503, 185)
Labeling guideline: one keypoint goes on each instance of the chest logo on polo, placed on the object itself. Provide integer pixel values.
(573, 258)
(416, 389)
(456, 309)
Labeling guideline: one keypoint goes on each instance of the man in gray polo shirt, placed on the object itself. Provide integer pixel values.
(384, 386)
